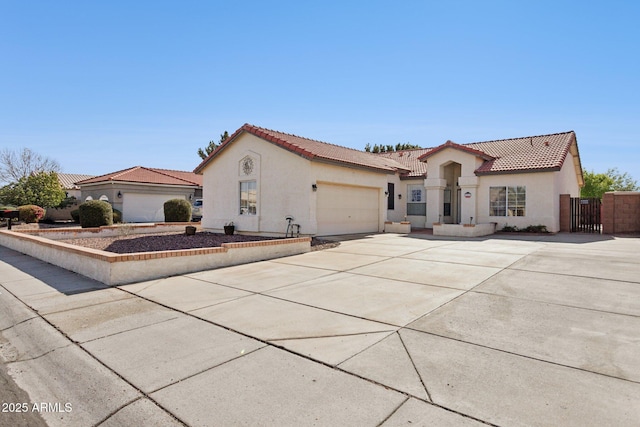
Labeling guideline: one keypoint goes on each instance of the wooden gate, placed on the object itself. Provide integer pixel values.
(585, 215)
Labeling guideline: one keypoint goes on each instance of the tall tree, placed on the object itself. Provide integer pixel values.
(40, 188)
(212, 146)
(16, 165)
(596, 184)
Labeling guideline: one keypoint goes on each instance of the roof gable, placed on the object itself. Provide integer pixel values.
(311, 150)
(144, 175)
(454, 146)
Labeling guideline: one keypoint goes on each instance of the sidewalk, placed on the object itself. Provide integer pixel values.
(381, 330)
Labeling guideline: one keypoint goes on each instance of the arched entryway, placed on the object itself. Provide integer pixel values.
(451, 202)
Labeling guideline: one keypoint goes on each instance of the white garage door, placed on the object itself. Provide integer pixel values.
(346, 209)
(144, 207)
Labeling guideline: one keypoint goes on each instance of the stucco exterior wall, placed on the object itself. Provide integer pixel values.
(283, 185)
(399, 213)
(542, 201)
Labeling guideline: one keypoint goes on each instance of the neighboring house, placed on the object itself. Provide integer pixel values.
(258, 176)
(68, 183)
(140, 192)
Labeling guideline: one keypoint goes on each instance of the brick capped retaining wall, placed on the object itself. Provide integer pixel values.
(118, 269)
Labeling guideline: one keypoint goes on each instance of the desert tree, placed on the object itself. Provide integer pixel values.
(15, 165)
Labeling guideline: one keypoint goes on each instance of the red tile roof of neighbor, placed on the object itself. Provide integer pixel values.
(312, 150)
(515, 155)
(144, 175)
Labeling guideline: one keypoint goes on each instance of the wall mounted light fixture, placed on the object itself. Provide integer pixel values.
(119, 195)
(314, 187)
(399, 196)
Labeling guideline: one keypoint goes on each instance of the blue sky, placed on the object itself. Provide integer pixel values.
(103, 86)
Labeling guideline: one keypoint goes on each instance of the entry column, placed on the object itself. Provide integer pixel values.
(469, 189)
(435, 197)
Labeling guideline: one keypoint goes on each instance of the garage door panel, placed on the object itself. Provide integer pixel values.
(138, 207)
(347, 209)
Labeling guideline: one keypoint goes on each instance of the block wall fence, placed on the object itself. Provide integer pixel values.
(620, 212)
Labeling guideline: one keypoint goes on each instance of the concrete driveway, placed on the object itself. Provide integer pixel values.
(383, 330)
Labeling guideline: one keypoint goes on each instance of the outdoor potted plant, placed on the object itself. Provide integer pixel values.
(229, 228)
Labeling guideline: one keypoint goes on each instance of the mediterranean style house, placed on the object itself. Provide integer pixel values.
(258, 177)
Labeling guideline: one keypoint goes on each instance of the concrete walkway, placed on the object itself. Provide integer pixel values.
(382, 330)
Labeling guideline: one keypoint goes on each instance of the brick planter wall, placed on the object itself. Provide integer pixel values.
(117, 269)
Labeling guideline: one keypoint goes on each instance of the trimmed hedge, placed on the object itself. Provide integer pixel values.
(75, 215)
(30, 213)
(95, 213)
(117, 216)
(177, 210)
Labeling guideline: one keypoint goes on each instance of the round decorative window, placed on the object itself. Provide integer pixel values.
(247, 166)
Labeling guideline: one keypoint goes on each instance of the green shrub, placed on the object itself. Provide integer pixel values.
(529, 229)
(117, 216)
(75, 215)
(177, 210)
(95, 213)
(31, 213)
(536, 229)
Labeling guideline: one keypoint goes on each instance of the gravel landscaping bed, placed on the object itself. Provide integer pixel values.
(174, 241)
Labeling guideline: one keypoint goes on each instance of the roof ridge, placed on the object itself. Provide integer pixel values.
(122, 172)
(119, 172)
(519, 137)
(309, 139)
(163, 172)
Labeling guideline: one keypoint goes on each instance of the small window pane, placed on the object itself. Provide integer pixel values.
(417, 209)
(416, 203)
(497, 201)
(248, 198)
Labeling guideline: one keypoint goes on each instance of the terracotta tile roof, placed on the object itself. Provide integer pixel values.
(411, 160)
(68, 180)
(526, 154)
(144, 175)
(312, 150)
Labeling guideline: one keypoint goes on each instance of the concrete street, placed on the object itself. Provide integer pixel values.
(384, 330)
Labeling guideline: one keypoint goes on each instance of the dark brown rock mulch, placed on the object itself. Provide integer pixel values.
(174, 241)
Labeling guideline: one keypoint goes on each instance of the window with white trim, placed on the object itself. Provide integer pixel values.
(248, 198)
(507, 201)
(416, 200)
